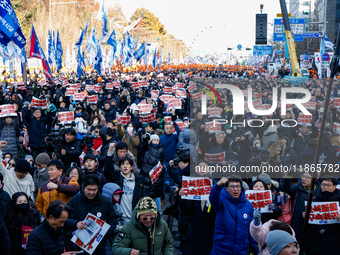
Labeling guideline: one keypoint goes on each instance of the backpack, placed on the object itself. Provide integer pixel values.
(288, 210)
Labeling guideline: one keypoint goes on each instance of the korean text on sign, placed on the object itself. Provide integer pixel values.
(322, 213)
(260, 199)
(196, 188)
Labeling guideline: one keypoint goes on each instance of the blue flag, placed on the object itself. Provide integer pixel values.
(328, 43)
(112, 41)
(154, 60)
(82, 36)
(105, 30)
(10, 28)
(322, 48)
(81, 63)
(98, 59)
(59, 53)
(139, 52)
(127, 49)
(169, 58)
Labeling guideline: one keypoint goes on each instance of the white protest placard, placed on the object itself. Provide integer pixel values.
(191, 87)
(167, 119)
(196, 188)
(65, 117)
(79, 96)
(214, 111)
(197, 96)
(92, 99)
(143, 84)
(123, 119)
(70, 91)
(144, 108)
(180, 93)
(7, 110)
(41, 103)
(304, 118)
(323, 213)
(90, 248)
(215, 158)
(134, 85)
(260, 199)
(156, 172)
(179, 85)
(309, 105)
(167, 89)
(89, 87)
(166, 98)
(336, 127)
(156, 92)
(213, 126)
(97, 88)
(176, 103)
(145, 119)
(154, 95)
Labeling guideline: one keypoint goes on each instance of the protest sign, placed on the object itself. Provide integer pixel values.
(145, 119)
(90, 247)
(214, 111)
(40, 103)
(79, 96)
(167, 89)
(336, 127)
(180, 93)
(176, 103)
(213, 126)
(74, 86)
(191, 87)
(26, 139)
(89, 87)
(309, 105)
(66, 117)
(180, 124)
(197, 96)
(215, 158)
(92, 99)
(8, 110)
(123, 119)
(156, 172)
(144, 108)
(304, 118)
(134, 85)
(166, 98)
(167, 119)
(143, 84)
(109, 86)
(70, 91)
(155, 91)
(42, 82)
(196, 188)
(52, 108)
(154, 95)
(97, 88)
(323, 213)
(179, 85)
(260, 199)
(257, 95)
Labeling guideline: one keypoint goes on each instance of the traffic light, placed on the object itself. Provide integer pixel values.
(261, 29)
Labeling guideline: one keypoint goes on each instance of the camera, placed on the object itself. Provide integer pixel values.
(179, 152)
(87, 142)
(54, 138)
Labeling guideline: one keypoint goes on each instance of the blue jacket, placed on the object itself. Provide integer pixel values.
(169, 144)
(232, 223)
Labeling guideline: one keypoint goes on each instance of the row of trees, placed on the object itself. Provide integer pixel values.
(71, 18)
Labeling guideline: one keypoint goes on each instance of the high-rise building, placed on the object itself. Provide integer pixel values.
(332, 16)
(300, 8)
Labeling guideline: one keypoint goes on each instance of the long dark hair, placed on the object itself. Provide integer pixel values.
(80, 174)
(12, 216)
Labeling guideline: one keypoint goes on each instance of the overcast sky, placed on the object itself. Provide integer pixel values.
(232, 22)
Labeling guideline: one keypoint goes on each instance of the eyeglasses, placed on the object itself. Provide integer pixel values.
(327, 185)
(291, 246)
(38, 165)
(96, 131)
(12, 164)
(234, 186)
(146, 218)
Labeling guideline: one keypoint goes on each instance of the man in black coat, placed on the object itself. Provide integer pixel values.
(49, 238)
(70, 148)
(91, 167)
(37, 130)
(90, 201)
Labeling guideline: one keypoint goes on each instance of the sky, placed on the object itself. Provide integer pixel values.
(231, 22)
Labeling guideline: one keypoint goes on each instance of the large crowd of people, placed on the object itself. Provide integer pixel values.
(101, 159)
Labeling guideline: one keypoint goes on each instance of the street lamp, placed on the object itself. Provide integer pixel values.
(50, 4)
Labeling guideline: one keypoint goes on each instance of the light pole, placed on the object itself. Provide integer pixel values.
(50, 4)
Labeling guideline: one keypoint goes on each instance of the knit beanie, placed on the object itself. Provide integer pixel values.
(265, 178)
(277, 240)
(22, 166)
(42, 158)
(146, 205)
(153, 137)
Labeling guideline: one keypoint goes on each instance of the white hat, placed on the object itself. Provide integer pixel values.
(154, 137)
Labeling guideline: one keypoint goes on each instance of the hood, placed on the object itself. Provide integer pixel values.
(288, 140)
(189, 135)
(103, 132)
(109, 189)
(278, 144)
(241, 199)
(79, 119)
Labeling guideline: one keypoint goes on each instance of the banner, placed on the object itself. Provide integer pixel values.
(39, 103)
(8, 110)
(145, 119)
(70, 91)
(92, 99)
(144, 108)
(156, 172)
(79, 96)
(176, 103)
(166, 98)
(196, 188)
(323, 213)
(260, 199)
(123, 119)
(66, 117)
(215, 158)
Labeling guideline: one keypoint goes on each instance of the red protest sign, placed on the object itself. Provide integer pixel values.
(309, 105)
(79, 96)
(323, 213)
(179, 85)
(123, 119)
(167, 119)
(260, 199)
(42, 82)
(196, 188)
(304, 118)
(89, 87)
(156, 172)
(213, 126)
(180, 93)
(167, 89)
(143, 84)
(192, 87)
(215, 158)
(66, 117)
(97, 88)
(336, 127)
(109, 86)
(144, 108)
(181, 125)
(7, 110)
(74, 86)
(70, 91)
(38, 102)
(166, 98)
(147, 118)
(197, 96)
(176, 103)
(257, 95)
(214, 111)
(92, 99)
(155, 91)
(154, 95)
(134, 85)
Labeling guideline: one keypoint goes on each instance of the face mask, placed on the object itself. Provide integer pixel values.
(258, 145)
(7, 159)
(167, 113)
(21, 207)
(79, 114)
(229, 131)
(129, 129)
(95, 122)
(154, 145)
(264, 163)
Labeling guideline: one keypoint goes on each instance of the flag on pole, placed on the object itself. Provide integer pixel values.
(59, 53)
(91, 46)
(51, 53)
(154, 60)
(81, 63)
(136, 24)
(98, 59)
(37, 52)
(139, 53)
(81, 37)
(160, 59)
(102, 16)
(328, 43)
(112, 41)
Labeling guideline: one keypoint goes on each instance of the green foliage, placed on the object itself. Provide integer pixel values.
(150, 21)
(26, 13)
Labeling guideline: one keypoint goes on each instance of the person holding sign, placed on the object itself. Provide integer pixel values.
(9, 127)
(234, 214)
(323, 238)
(146, 233)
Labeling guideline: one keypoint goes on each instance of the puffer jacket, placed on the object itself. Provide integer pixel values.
(134, 235)
(9, 134)
(188, 140)
(259, 233)
(45, 240)
(302, 140)
(67, 187)
(323, 239)
(37, 130)
(232, 223)
(72, 152)
(169, 143)
(151, 158)
(81, 125)
(268, 137)
(131, 140)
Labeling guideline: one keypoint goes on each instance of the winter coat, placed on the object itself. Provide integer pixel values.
(81, 125)
(232, 223)
(9, 133)
(109, 114)
(151, 158)
(331, 152)
(45, 240)
(201, 226)
(287, 157)
(268, 137)
(123, 103)
(169, 144)
(100, 206)
(134, 235)
(259, 233)
(39, 179)
(302, 140)
(115, 160)
(37, 130)
(188, 140)
(67, 187)
(132, 140)
(5, 242)
(323, 239)
(297, 219)
(72, 152)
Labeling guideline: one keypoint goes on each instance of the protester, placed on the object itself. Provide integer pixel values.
(280, 242)
(41, 173)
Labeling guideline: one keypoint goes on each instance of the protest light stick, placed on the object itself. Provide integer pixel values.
(334, 64)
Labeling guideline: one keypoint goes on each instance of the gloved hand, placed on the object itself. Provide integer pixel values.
(253, 250)
(257, 217)
(272, 207)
